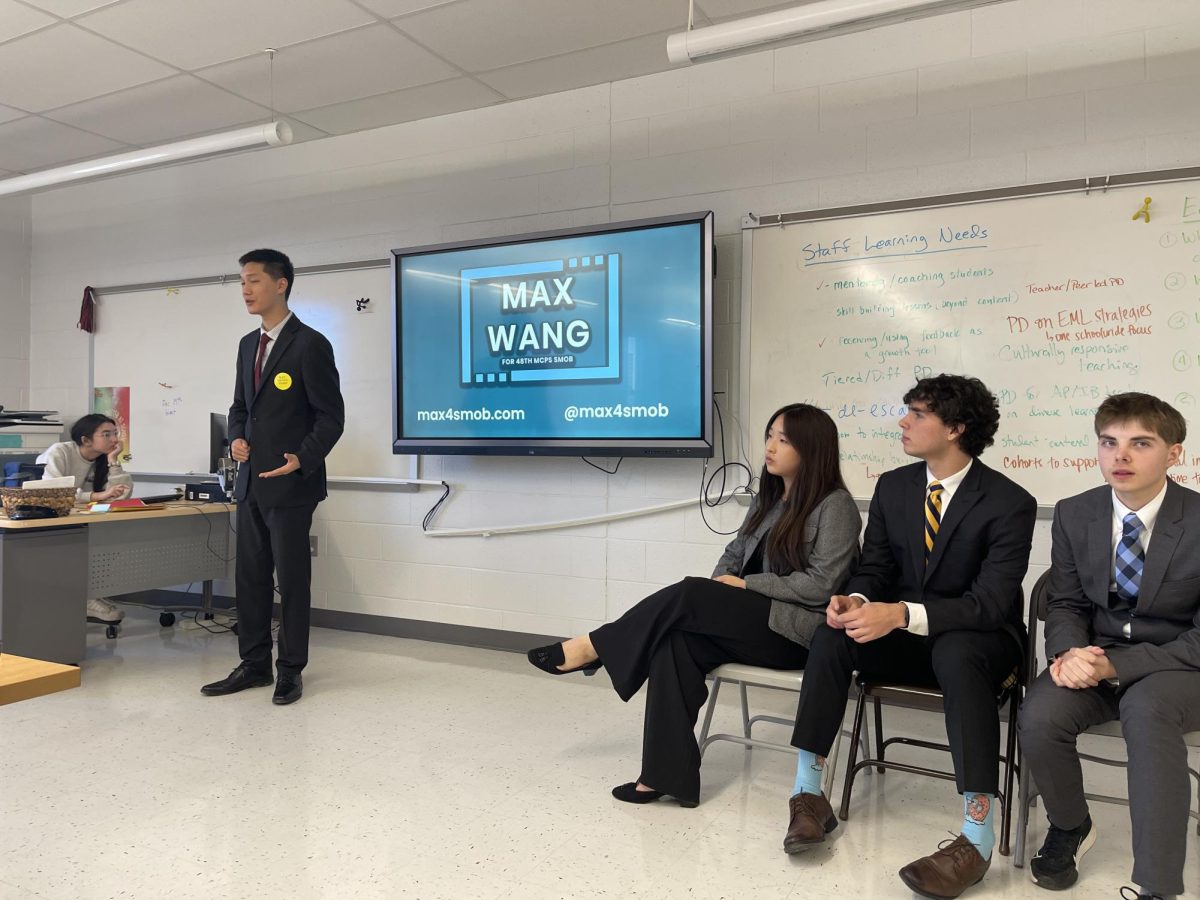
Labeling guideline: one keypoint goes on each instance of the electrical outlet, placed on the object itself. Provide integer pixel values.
(312, 545)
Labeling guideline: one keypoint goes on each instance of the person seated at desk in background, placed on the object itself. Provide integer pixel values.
(1123, 641)
(765, 599)
(936, 600)
(91, 458)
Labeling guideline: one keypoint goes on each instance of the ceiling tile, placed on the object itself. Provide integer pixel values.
(7, 114)
(17, 19)
(401, 106)
(162, 111)
(68, 8)
(346, 66)
(33, 143)
(626, 59)
(62, 64)
(718, 10)
(479, 36)
(389, 9)
(189, 34)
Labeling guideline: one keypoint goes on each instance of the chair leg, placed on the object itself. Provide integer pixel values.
(859, 710)
(828, 778)
(1009, 769)
(1025, 798)
(745, 711)
(708, 713)
(879, 734)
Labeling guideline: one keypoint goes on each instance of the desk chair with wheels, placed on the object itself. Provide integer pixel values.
(1027, 791)
(879, 693)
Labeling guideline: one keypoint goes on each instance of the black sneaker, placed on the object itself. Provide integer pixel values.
(1128, 893)
(1056, 865)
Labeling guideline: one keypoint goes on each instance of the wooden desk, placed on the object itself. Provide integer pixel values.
(49, 567)
(23, 679)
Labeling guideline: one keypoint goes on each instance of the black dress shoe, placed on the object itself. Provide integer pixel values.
(629, 793)
(288, 689)
(238, 680)
(550, 657)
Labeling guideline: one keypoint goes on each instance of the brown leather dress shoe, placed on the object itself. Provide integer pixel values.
(812, 819)
(947, 873)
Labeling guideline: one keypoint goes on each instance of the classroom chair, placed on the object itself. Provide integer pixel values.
(881, 693)
(745, 676)
(1027, 791)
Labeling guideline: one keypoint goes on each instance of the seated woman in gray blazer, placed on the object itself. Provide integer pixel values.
(765, 599)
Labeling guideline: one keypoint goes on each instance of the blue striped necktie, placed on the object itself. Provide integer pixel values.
(1130, 558)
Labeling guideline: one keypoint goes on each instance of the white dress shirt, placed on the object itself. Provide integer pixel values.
(273, 334)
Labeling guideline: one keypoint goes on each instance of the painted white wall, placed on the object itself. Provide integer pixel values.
(1021, 92)
(16, 259)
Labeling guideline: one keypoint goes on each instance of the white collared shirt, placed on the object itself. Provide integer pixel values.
(918, 617)
(273, 334)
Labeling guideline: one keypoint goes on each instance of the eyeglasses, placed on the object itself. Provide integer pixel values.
(109, 434)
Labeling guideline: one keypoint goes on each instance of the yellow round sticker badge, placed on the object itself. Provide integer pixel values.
(283, 381)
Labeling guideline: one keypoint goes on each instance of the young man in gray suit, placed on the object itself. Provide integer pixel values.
(1123, 640)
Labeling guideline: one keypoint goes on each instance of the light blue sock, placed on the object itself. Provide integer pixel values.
(978, 824)
(808, 774)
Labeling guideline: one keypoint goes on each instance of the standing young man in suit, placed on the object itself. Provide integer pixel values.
(287, 414)
(1123, 640)
(935, 600)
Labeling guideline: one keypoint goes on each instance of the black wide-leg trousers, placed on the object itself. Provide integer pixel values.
(672, 639)
(968, 667)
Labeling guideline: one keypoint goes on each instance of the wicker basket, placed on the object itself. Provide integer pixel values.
(58, 499)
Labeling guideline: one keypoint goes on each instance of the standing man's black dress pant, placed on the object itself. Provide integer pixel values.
(269, 542)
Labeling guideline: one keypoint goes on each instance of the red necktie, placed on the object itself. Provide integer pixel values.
(263, 340)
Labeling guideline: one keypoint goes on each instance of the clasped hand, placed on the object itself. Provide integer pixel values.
(863, 621)
(1081, 667)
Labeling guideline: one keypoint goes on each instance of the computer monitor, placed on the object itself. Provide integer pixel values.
(218, 440)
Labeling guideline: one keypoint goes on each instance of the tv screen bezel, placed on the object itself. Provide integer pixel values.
(699, 447)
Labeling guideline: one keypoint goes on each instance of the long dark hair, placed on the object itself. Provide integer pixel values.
(85, 428)
(814, 436)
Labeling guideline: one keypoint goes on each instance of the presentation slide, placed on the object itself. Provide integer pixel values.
(585, 337)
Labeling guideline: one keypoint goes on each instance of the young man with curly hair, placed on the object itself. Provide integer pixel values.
(935, 601)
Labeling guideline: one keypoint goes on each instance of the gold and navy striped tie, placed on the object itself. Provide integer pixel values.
(933, 515)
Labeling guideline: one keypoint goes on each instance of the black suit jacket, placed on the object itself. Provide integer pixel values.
(973, 580)
(297, 409)
(1165, 623)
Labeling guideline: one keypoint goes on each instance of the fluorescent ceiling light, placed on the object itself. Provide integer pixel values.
(271, 135)
(811, 20)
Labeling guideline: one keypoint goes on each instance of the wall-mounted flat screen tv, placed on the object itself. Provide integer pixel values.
(592, 342)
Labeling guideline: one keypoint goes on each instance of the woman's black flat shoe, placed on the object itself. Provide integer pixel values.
(629, 793)
(550, 657)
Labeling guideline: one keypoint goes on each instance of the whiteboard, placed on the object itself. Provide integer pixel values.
(176, 349)
(1053, 301)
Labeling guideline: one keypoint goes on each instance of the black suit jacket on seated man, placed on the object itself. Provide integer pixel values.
(973, 579)
(971, 590)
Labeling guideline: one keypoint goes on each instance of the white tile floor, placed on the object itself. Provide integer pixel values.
(422, 770)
